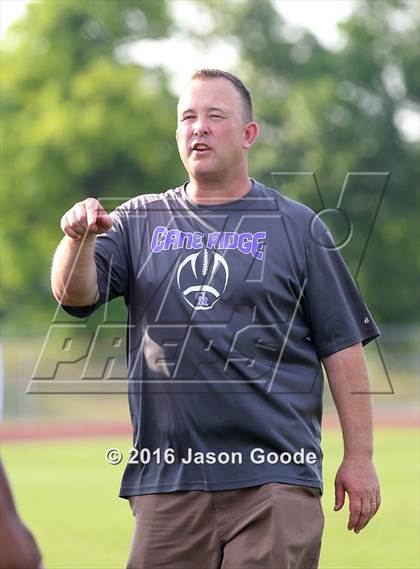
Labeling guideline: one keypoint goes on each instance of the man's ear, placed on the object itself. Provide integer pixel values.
(251, 131)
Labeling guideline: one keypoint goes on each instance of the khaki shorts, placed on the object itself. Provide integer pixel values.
(271, 526)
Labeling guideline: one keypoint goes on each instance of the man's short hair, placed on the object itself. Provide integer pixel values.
(243, 91)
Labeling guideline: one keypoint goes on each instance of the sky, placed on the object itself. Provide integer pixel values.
(10, 10)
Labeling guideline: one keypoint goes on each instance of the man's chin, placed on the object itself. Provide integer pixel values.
(204, 171)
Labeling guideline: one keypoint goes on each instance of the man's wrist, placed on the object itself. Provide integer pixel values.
(358, 456)
(86, 241)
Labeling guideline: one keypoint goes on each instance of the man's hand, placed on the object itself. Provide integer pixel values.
(85, 218)
(73, 274)
(357, 477)
(350, 388)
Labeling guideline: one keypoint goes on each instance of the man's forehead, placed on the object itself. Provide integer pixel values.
(209, 93)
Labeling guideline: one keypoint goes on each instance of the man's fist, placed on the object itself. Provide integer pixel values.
(87, 217)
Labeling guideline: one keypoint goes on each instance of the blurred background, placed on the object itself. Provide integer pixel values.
(88, 107)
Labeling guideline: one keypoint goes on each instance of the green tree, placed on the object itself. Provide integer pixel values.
(79, 120)
(334, 112)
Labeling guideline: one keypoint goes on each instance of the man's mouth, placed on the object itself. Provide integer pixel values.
(200, 148)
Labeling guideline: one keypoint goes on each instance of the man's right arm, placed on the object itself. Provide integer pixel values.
(73, 274)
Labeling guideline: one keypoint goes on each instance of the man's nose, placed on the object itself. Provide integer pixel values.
(200, 128)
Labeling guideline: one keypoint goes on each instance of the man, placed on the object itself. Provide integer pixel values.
(235, 296)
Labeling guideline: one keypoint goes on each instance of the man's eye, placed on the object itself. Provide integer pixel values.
(187, 118)
(216, 117)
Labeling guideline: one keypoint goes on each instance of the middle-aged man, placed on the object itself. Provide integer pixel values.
(235, 296)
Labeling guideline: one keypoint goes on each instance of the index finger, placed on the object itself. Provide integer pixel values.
(93, 211)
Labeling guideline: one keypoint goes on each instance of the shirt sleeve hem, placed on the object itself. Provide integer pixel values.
(349, 341)
(79, 311)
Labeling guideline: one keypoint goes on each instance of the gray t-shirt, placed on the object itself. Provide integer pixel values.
(230, 308)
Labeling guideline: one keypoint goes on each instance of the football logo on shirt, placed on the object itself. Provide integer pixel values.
(202, 278)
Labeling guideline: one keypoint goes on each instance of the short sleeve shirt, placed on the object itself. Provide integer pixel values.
(231, 308)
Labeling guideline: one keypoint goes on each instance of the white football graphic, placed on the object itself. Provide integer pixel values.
(202, 278)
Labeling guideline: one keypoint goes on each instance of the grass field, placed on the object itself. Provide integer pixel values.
(66, 493)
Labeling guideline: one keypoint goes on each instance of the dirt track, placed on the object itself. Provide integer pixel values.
(25, 431)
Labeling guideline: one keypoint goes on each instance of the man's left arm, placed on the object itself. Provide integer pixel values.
(349, 383)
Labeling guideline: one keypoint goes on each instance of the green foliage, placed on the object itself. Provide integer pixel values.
(336, 112)
(79, 121)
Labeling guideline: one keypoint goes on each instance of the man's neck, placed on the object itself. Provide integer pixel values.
(213, 192)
